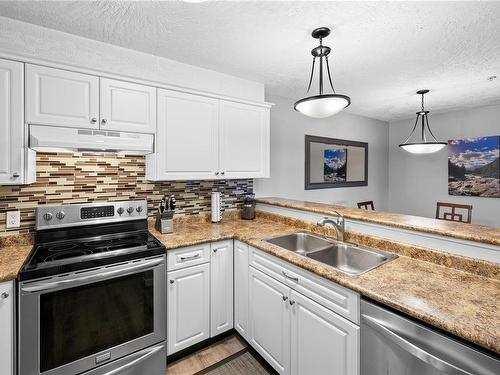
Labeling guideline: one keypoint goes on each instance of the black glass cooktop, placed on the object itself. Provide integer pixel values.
(61, 251)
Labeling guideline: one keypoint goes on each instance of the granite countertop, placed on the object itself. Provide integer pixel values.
(462, 303)
(464, 231)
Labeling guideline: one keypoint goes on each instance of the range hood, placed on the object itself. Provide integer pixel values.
(52, 138)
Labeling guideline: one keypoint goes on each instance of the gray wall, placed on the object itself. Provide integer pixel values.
(288, 129)
(416, 183)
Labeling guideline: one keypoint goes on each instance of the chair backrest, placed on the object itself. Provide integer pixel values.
(367, 205)
(454, 212)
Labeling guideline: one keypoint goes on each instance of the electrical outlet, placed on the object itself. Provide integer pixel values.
(13, 219)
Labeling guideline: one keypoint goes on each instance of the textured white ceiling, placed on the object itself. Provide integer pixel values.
(382, 52)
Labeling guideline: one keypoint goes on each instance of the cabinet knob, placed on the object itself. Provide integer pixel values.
(5, 295)
(171, 281)
(222, 173)
(93, 120)
(284, 298)
(104, 121)
(215, 250)
(216, 173)
(292, 302)
(15, 174)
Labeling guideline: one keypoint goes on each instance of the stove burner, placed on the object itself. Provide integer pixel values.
(63, 247)
(66, 254)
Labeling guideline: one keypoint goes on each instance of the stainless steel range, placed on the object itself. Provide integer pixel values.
(92, 296)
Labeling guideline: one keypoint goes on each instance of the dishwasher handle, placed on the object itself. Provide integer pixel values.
(412, 348)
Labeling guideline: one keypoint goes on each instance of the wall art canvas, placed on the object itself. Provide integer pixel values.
(335, 165)
(473, 167)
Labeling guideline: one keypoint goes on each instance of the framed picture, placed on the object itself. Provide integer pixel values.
(473, 167)
(333, 163)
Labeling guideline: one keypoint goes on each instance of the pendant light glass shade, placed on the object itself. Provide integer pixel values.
(322, 105)
(422, 146)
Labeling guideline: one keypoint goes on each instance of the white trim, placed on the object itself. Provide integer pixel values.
(123, 77)
(457, 246)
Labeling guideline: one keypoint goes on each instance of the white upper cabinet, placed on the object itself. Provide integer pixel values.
(205, 138)
(244, 140)
(186, 138)
(128, 107)
(61, 98)
(12, 152)
(221, 287)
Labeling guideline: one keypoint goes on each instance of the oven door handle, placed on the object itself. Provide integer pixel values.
(122, 270)
(136, 361)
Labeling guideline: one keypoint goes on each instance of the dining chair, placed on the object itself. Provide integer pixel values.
(367, 205)
(454, 212)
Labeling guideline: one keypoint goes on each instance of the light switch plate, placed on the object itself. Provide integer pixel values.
(13, 219)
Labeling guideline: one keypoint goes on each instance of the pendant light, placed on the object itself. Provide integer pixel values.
(423, 146)
(322, 105)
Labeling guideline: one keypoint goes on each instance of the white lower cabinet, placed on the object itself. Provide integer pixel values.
(297, 334)
(221, 287)
(188, 307)
(321, 341)
(241, 288)
(7, 328)
(269, 320)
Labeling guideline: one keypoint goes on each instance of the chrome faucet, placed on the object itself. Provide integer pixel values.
(339, 225)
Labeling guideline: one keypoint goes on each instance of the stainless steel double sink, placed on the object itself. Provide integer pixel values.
(345, 257)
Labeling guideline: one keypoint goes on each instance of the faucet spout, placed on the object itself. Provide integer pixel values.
(338, 224)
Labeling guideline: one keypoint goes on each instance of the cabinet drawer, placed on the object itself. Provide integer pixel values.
(339, 299)
(188, 256)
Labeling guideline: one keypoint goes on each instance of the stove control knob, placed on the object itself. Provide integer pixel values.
(48, 216)
(60, 215)
(130, 210)
(139, 209)
(120, 211)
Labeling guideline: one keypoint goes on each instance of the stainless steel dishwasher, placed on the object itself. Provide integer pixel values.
(394, 345)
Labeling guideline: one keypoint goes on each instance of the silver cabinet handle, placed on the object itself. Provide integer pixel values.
(4, 295)
(15, 174)
(284, 298)
(93, 120)
(104, 121)
(46, 285)
(296, 279)
(413, 349)
(191, 257)
(292, 302)
(123, 369)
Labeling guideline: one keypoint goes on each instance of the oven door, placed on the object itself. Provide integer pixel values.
(73, 323)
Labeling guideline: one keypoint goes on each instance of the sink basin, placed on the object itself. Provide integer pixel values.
(347, 258)
(351, 259)
(300, 243)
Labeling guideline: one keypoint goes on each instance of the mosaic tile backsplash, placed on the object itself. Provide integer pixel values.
(70, 178)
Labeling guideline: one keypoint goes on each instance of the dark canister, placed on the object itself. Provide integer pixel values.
(248, 209)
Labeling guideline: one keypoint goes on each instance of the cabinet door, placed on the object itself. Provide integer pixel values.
(322, 342)
(269, 320)
(127, 107)
(244, 140)
(7, 328)
(221, 287)
(241, 288)
(61, 98)
(188, 307)
(11, 123)
(187, 136)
